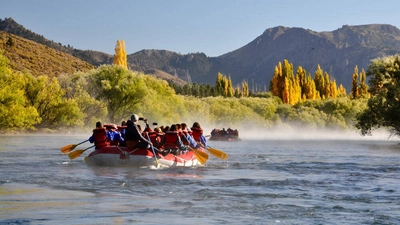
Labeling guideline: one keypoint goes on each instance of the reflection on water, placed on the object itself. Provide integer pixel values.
(262, 182)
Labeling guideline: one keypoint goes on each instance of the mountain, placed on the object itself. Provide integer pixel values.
(190, 67)
(30, 45)
(337, 52)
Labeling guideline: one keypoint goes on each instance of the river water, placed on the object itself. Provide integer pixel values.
(262, 182)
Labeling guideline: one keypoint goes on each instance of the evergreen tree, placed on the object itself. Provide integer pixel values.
(354, 84)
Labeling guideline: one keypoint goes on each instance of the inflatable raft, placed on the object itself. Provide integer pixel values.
(123, 156)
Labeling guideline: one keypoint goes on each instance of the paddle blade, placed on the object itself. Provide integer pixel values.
(68, 148)
(75, 154)
(200, 156)
(217, 153)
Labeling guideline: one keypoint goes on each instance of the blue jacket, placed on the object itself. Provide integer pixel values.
(114, 136)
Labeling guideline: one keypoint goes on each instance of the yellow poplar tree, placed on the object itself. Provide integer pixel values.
(327, 85)
(295, 92)
(277, 82)
(342, 91)
(301, 74)
(363, 89)
(310, 92)
(245, 89)
(333, 90)
(120, 54)
(319, 81)
(230, 90)
(224, 85)
(286, 91)
(293, 89)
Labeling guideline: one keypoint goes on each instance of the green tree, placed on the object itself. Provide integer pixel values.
(195, 90)
(75, 87)
(48, 98)
(16, 113)
(384, 105)
(119, 88)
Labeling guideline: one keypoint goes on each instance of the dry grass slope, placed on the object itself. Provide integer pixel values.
(38, 59)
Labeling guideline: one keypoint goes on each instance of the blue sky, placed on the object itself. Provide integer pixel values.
(214, 27)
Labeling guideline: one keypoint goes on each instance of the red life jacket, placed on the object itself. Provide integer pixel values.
(196, 133)
(170, 139)
(100, 137)
(155, 139)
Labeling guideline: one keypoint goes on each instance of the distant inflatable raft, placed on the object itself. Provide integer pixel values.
(224, 135)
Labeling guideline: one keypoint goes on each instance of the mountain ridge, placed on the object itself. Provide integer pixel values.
(337, 52)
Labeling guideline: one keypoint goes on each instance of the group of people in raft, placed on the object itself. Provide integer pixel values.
(175, 139)
(223, 132)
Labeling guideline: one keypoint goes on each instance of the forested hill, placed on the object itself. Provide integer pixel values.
(337, 52)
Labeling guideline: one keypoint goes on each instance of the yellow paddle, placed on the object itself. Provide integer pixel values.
(70, 147)
(77, 153)
(200, 156)
(154, 153)
(217, 153)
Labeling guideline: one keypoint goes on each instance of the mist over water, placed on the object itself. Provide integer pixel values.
(289, 133)
(293, 132)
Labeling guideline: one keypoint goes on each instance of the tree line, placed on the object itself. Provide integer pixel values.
(291, 88)
(111, 93)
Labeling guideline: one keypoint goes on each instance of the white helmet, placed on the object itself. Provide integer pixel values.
(134, 118)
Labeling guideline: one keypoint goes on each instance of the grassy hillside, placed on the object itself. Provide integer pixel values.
(38, 59)
(165, 76)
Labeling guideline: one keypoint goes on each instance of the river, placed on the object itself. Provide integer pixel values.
(281, 181)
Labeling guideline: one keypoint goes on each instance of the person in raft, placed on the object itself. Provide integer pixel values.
(134, 137)
(172, 141)
(114, 136)
(197, 133)
(99, 136)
